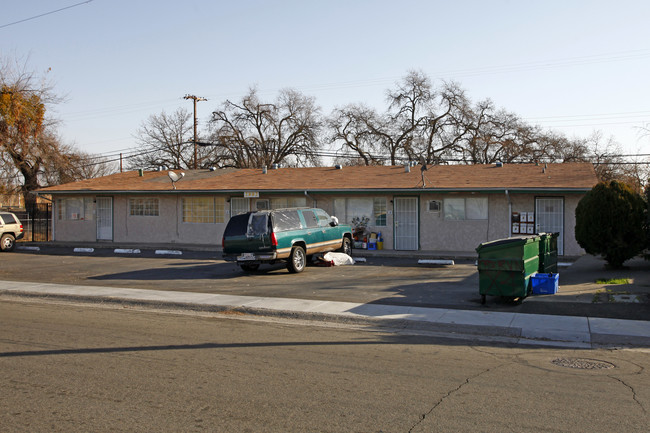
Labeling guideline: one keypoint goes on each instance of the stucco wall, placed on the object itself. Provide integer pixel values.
(74, 231)
(440, 234)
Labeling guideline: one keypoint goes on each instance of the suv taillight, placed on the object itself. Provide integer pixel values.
(21, 228)
(274, 240)
(223, 242)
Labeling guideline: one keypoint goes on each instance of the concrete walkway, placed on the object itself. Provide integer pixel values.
(536, 329)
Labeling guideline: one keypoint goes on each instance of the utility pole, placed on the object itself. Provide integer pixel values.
(195, 98)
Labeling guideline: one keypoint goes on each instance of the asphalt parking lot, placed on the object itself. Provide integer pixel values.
(382, 280)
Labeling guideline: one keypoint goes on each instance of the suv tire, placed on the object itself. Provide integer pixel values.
(249, 267)
(7, 242)
(297, 260)
(346, 247)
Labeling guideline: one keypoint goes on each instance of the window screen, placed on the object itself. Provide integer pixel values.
(454, 208)
(476, 208)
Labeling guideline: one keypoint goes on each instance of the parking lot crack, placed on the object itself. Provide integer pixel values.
(631, 388)
(449, 394)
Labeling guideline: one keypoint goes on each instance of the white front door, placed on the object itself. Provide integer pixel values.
(104, 218)
(550, 218)
(405, 223)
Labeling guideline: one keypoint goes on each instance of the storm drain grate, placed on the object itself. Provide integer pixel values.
(583, 363)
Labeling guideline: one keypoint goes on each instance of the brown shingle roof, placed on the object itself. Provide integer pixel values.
(567, 176)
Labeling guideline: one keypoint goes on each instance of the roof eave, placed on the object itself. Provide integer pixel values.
(486, 190)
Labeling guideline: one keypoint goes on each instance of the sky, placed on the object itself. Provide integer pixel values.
(571, 66)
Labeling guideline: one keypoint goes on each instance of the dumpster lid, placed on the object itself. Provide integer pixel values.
(516, 240)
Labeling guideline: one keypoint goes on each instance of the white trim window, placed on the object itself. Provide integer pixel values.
(374, 209)
(144, 207)
(75, 208)
(379, 209)
(204, 210)
(262, 204)
(474, 208)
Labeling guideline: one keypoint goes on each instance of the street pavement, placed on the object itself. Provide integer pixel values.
(583, 313)
(577, 288)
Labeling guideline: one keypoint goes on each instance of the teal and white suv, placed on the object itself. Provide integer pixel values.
(10, 230)
(289, 235)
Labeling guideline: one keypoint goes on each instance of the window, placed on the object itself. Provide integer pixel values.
(237, 226)
(286, 202)
(466, 208)
(261, 204)
(454, 208)
(379, 210)
(476, 208)
(72, 209)
(239, 205)
(219, 210)
(323, 218)
(8, 218)
(258, 224)
(347, 209)
(203, 210)
(198, 210)
(143, 207)
(286, 220)
(310, 219)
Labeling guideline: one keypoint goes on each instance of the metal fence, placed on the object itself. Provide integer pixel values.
(37, 222)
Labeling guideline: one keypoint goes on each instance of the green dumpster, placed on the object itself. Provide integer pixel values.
(548, 253)
(506, 265)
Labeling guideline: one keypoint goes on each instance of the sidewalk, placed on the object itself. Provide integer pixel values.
(517, 328)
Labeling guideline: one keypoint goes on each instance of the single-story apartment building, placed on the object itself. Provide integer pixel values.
(446, 208)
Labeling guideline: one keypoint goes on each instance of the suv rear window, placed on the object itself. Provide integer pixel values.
(8, 218)
(237, 226)
(286, 220)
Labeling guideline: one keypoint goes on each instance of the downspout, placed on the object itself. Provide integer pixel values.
(509, 214)
(311, 198)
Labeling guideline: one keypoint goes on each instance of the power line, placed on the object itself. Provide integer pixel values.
(44, 14)
(607, 115)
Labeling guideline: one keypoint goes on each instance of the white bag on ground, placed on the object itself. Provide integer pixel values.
(338, 259)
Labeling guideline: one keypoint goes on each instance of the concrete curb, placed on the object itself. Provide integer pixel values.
(517, 328)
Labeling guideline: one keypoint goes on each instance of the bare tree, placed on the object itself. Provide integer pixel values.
(448, 124)
(27, 136)
(349, 126)
(420, 123)
(71, 165)
(166, 140)
(253, 133)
